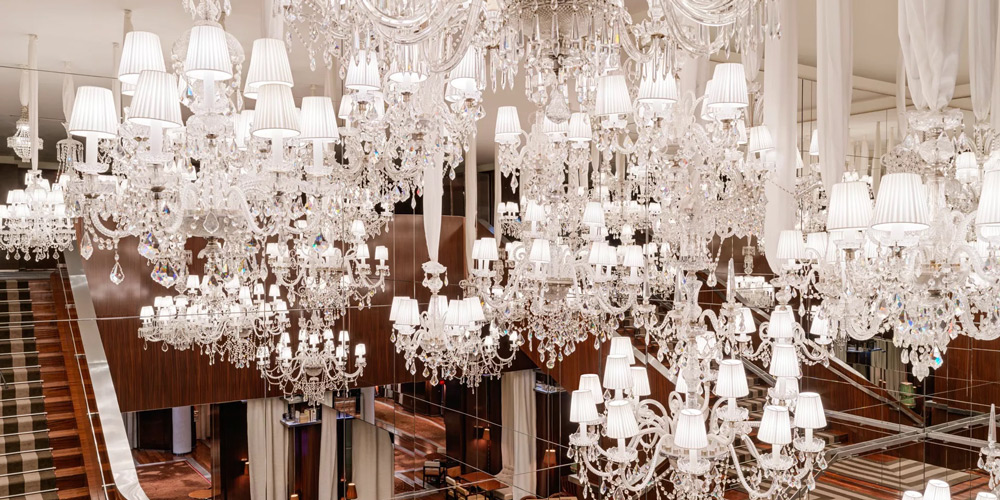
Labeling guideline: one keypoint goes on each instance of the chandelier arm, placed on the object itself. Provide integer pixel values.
(469, 30)
(753, 492)
(632, 49)
(95, 221)
(383, 19)
(712, 12)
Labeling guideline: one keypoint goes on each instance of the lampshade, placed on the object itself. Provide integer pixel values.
(640, 382)
(617, 373)
(729, 87)
(632, 256)
(406, 65)
(555, 131)
(984, 495)
(901, 204)
(141, 51)
(318, 120)
(784, 361)
(362, 73)
(486, 250)
(760, 140)
(786, 387)
(582, 407)
(988, 214)
(408, 313)
(814, 143)
(268, 64)
(744, 321)
(781, 324)
(508, 128)
(809, 411)
(966, 167)
(593, 214)
(732, 381)
(657, 89)
(816, 244)
(591, 382)
(351, 493)
(775, 426)
(791, 246)
(579, 128)
(820, 326)
(912, 495)
(622, 346)
(156, 101)
(275, 116)
(466, 77)
(621, 422)
(94, 113)
(612, 96)
(850, 207)
(689, 433)
(937, 490)
(208, 54)
(540, 252)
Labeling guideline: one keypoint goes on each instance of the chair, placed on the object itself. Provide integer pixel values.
(464, 494)
(505, 494)
(452, 486)
(432, 472)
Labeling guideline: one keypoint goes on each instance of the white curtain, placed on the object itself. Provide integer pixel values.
(982, 42)
(930, 33)
(368, 404)
(203, 421)
(372, 461)
(835, 53)
(267, 446)
(900, 95)
(517, 430)
(131, 421)
(328, 455)
(995, 83)
(780, 98)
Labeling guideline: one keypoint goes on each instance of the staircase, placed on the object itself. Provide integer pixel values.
(40, 455)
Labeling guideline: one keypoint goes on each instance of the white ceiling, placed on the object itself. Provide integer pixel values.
(82, 32)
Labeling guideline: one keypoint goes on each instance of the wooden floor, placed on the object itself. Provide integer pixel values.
(202, 454)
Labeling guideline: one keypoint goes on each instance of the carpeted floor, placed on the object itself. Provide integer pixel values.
(170, 480)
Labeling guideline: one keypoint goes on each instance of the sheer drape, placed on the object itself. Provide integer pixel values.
(834, 63)
(930, 33)
(518, 430)
(780, 98)
(372, 461)
(267, 447)
(328, 454)
(982, 43)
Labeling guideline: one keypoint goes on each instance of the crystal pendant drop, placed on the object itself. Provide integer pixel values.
(117, 276)
(211, 223)
(86, 247)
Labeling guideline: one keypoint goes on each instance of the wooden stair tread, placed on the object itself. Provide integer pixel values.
(81, 492)
(65, 452)
(69, 471)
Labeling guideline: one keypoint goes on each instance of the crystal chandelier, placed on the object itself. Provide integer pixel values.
(696, 437)
(20, 142)
(320, 362)
(33, 223)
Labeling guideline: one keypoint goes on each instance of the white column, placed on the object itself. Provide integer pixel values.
(835, 49)
(368, 404)
(181, 420)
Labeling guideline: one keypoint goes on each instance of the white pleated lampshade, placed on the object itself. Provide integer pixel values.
(850, 207)
(689, 434)
(937, 490)
(407, 66)
(554, 131)
(275, 116)
(612, 96)
(141, 51)
(582, 407)
(729, 87)
(775, 426)
(593, 214)
(784, 361)
(640, 382)
(621, 423)
(362, 73)
(541, 252)
(901, 204)
(814, 143)
(241, 129)
(781, 324)
(744, 321)
(94, 113)
(791, 246)
(579, 128)
(318, 120)
(268, 64)
(760, 140)
(966, 167)
(816, 244)
(508, 127)
(809, 411)
(985, 495)
(912, 495)
(156, 100)
(732, 381)
(470, 72)
(657, 89)
(617, 373)
(208, 54)
(632, 256)
(988, 214)
(820, 325)
(487, 250)
(591, 382)
(622, 346)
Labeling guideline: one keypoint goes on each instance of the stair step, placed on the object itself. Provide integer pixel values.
(26, 461)
(52, 494)
(74, 493)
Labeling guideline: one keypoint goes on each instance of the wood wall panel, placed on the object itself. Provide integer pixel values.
(146, 377)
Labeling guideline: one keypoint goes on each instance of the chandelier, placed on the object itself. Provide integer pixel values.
(20, 142)
(34, 223)
(697, 438)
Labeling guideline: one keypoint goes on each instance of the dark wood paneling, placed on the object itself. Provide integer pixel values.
(229, 451)
(156, 429)
(306, 444)
(146, 377)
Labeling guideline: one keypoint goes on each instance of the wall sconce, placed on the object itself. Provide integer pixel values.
(484, 432)
(352, 491)
(549, 458)
(246, 467)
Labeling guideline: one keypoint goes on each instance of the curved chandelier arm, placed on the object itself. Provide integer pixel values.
(382, 19)
(754, 493)
(711, 12)
(95, 221)
(631, 47)
(468, 31)
(238, 201)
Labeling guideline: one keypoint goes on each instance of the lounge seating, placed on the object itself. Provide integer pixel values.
(433, 472)
(464, 494)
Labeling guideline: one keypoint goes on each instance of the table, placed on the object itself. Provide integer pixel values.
(435, 456)
(201, 494)
(482, 481)
(473, 477)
